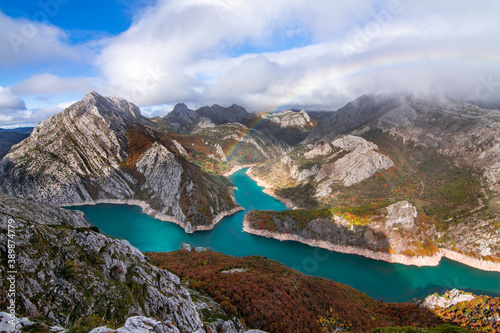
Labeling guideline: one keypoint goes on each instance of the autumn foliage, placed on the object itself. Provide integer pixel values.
(274, 298)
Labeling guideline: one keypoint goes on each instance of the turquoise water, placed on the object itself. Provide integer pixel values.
(380, 280)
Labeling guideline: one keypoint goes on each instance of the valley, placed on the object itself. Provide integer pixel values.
(394, 178)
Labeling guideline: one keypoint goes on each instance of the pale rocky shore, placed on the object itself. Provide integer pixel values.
(235, 168)
(146, 209)
(392, 258)
(268, 190)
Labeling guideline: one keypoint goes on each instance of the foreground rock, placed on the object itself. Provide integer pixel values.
(446, 301)
(70, 274)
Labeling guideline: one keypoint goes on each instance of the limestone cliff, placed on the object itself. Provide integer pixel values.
(290, 118)
(70, 271)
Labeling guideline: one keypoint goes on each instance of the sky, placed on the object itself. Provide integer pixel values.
(262, 55)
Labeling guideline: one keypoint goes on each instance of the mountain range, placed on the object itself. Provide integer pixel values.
(397, 177)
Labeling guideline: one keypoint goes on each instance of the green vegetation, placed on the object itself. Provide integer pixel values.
(87, 324)
(271, 297)
(69, 269)
(355, 215)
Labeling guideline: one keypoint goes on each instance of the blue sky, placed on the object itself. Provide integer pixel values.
(263, 55)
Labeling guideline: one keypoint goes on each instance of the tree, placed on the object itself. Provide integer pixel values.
(333, 323)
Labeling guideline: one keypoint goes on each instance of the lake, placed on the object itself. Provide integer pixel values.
(380, 280)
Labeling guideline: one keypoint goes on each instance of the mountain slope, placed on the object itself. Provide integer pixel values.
(275, 298)
(460, 131)
(69, 271)
(184, 120)
(441, 156)
(97, 150)
(70, 275)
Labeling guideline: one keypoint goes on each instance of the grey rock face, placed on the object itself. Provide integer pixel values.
(185, 120)
(447, 300)
(354, 114)
(141, 324)
(70, 271)
(81, 147)
(162, 172)
(289, 118)
(220, 115)
(401, 213)
(462, 131)
(360, 163)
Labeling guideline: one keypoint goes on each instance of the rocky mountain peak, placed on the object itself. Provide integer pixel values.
(180, 108)
(355, 114)
(221, 115)
(183, 118)
(111, 107)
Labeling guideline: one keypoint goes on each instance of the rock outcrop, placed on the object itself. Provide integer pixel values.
(97, 150)
(360, 163)
(68, 271)
(445, 301)
(401, 213)
(290, 118)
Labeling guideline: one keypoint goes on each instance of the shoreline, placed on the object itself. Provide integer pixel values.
(268, 190)
(235, 168)
(387, 257)
(146, 209)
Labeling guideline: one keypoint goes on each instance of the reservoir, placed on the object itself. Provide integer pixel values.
(380, 280)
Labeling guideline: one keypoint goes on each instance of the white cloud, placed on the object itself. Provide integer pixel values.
(265, 54)
(27, 42)
(10, 101)
(47, 83)
(29, 117)
(353, 48)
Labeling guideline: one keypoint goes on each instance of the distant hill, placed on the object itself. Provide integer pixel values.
(11, 136)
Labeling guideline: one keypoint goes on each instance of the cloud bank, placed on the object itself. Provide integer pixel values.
(266, 55)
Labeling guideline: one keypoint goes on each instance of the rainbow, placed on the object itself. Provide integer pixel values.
(338, 74)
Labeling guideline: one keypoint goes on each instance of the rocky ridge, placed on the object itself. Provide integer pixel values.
(462, 131)
(71, 272)
(345, 161)
(185, 120)
(97, 150)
